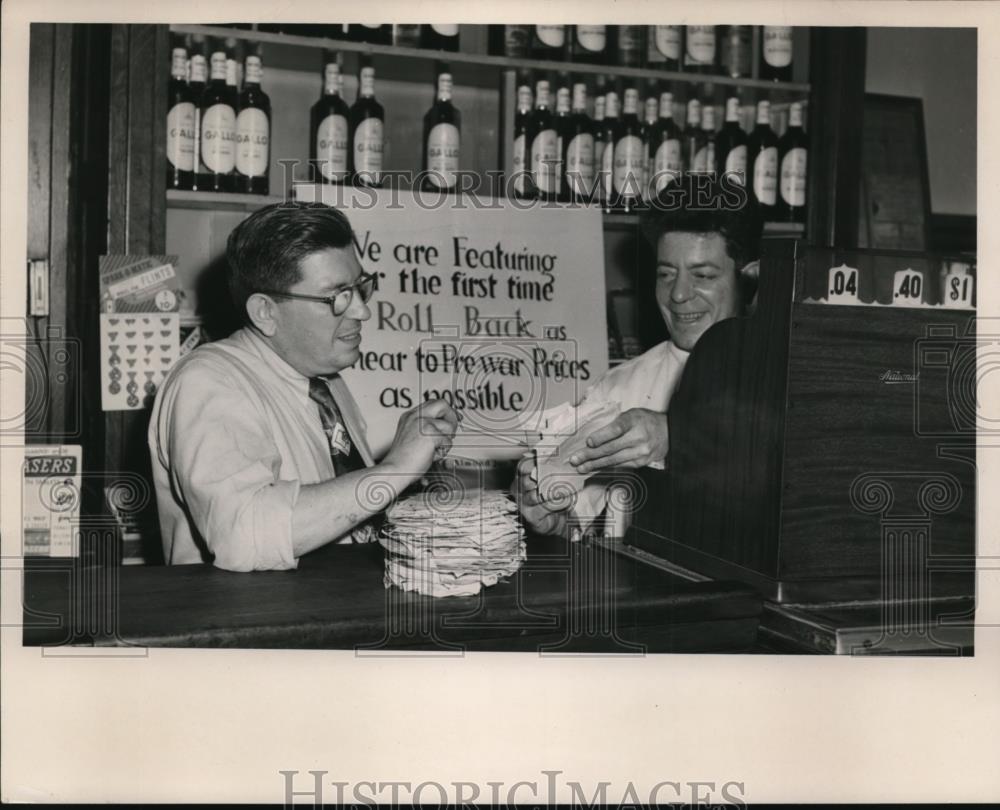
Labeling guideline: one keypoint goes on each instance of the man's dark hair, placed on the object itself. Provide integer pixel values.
(264, 251)
(704, 204)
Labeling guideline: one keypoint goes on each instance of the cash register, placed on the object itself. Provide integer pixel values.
(823, 450)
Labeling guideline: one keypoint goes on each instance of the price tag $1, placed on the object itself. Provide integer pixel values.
(958, 288)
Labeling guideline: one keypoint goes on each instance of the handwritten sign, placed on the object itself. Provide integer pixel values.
(498, 310)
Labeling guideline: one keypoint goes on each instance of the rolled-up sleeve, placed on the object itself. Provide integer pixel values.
(225, 466)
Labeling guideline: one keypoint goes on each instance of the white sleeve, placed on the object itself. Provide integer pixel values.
(224, 464)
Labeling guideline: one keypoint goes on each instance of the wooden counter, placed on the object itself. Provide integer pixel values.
(566, 598)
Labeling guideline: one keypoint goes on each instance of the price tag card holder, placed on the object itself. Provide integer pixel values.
(958, 286)
(842, 286)
(908, 288)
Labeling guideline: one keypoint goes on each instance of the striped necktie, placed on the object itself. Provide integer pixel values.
(343, 452)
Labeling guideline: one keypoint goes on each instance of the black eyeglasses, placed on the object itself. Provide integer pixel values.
(340, 300)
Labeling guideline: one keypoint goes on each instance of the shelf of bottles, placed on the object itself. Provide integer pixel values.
(606, 114)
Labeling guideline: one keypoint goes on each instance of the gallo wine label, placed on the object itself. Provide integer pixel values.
(544, 157)
(252, 140)
(629, 163)
(793, 177)
(368, 146)
(443, 145)
(580, 163)
(765, 176)
(331, 147)
(180, 136)
(218, 138)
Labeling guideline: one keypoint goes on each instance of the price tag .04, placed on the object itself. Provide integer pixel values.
(958, 288)
(907, 287)
(842, 286)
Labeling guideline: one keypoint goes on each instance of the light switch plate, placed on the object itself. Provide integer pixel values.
(38, 287)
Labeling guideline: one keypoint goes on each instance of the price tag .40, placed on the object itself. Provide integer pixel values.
(907, 287)
(842, 285)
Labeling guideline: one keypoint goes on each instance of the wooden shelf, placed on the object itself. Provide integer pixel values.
(784, 229)
(214, 201)
(498, 62)
(248, 203)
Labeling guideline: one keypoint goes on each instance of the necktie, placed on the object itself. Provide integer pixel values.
(343, 452)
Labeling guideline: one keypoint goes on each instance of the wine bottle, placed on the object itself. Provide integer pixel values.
(651, 109)
(375, 34)
(510, 40)
(406, 35)
(578, 149)
(762, 161)
(663, 47)
(590, 44)
(548, 42)
(630, 45)
(197, 81)
(705, 159)
(665, 146)
(609, 135)
(736, 50)
(180, 124)
(692, 138)
(253, 132)
(731, 145)
(218, 129)
(600, 142)
(442, 137)
(561, 123)
(542, 142)
(367, 119)
(700, 48)
(440, 37)
(776, 53)
(330, 130)
(793, 152)
(522, 181)
(234, 65)
(629, 158)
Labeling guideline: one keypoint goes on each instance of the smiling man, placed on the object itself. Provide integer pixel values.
(707, 241)
(258, 449)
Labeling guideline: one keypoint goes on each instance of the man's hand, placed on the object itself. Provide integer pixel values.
(542, 517)
(423, 435)
(636, 438)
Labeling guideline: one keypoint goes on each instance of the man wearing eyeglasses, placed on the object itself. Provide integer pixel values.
(258, 449)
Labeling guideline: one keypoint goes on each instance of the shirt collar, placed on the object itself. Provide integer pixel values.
(678, 352)
(260, 347)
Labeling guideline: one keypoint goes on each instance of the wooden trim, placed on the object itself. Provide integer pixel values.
(41, 61)
(836, 109)
(62, 233)
(136, 194)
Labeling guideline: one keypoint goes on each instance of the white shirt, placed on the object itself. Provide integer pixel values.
(647, 381)
(233, 435)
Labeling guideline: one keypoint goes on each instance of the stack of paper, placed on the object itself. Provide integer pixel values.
(452, 544)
